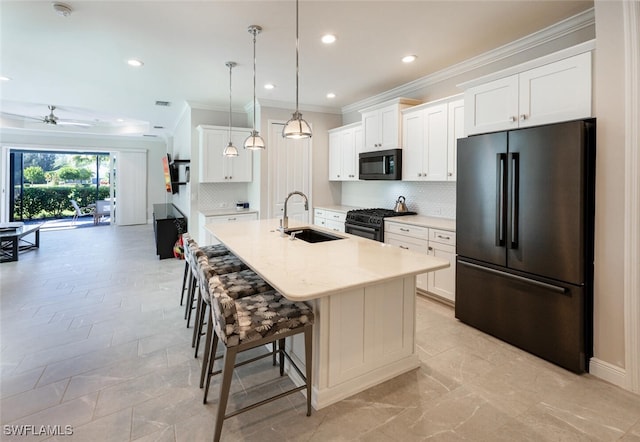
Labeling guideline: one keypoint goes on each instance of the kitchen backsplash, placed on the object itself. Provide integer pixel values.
(426, 198)
(221, 195)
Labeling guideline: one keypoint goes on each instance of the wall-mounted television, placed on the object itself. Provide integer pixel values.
(170, 174)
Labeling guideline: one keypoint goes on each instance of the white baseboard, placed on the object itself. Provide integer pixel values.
(608, 372)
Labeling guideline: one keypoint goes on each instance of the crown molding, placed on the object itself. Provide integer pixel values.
(548, 34)
(303, 108)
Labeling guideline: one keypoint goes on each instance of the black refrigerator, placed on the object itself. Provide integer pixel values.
(525, 238)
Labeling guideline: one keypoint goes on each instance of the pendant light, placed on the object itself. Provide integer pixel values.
(254, 141)
(296, 127)
(230, 150)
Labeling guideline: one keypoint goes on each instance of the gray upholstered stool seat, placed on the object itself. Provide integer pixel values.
(218, 265)
(249, 322)
(187, 241)
(236, 285)
(215, 250)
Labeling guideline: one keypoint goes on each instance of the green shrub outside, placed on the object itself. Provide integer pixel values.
(55, 201)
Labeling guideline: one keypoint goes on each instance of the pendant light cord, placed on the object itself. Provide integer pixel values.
(297, 54)
(255, 31)
(230, 67)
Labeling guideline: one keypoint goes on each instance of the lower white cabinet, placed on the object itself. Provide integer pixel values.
(435, 242)
(330, 219)
(217, 219)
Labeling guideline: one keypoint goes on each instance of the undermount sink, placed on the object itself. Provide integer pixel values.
(311, 235)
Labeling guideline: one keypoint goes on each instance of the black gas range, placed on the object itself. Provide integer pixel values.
(369, 223)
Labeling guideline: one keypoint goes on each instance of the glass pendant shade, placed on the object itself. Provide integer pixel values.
(296, 127)
(254, 141)
(230, 150)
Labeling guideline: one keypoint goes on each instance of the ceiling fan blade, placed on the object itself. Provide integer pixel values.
(20, 117)
(72, 123)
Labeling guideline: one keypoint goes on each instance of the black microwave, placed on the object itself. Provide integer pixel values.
(381, 165)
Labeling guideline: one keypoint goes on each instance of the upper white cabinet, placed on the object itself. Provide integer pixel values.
(216, 168)
(382, 124)
(556, 91)
(429, 135)
(345, 143)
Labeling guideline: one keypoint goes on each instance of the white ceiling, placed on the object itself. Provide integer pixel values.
(78, 63)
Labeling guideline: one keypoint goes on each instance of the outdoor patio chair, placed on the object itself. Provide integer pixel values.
(80, 212)
(103, 208)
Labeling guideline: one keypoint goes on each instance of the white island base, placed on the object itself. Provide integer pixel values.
(362, 338)
(363, 295)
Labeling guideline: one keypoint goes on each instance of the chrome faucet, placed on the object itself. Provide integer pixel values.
(284, 222)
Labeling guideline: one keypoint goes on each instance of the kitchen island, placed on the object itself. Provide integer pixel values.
(362, 293)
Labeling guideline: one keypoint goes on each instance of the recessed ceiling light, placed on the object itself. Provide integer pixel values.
(120, 120)
(409, 58)
(269, 86)
(135, 63)
(331, 95)
(3, 78)
(328, 39)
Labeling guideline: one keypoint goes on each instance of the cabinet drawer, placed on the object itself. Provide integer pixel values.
(405, 229)
(442, 236)
(334, 225)
(406, 242)
(230, 218)
(319, 213)
(335, 216)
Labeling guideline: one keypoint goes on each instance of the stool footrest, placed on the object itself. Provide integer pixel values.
(266, 401)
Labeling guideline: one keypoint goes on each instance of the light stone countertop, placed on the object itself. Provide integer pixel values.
(425, 221)
(337, 208)
(224, 212)
(303, 271)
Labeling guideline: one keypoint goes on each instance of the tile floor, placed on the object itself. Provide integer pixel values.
(92, 337)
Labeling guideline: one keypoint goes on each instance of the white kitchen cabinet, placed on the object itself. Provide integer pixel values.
(345, 143)
(430, 133)
(455, 130)
(554, 92)
(330, 219)
(231, 217)
(216, 168)
(442, 283)
(435, 242)
(382, 124)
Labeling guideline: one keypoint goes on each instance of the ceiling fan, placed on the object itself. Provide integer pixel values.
(50, 119)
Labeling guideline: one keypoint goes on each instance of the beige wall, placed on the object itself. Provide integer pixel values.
(610, 184)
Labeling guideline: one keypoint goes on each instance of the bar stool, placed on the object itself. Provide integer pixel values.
(211, 252)
(237, 285)
(218, 265)
(187, 240)
(250, 322)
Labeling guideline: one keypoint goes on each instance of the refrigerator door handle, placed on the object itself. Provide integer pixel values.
(544, 285)
(515, 190)
(501, 199)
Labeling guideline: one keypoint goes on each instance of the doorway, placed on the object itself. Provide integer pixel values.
(289, 170)
(42, 183)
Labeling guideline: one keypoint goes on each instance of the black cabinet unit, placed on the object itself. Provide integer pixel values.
(168, 223)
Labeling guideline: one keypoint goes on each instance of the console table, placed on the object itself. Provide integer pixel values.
(167, 220)
(12, 239)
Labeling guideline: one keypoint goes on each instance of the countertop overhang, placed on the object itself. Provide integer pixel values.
(303, 271)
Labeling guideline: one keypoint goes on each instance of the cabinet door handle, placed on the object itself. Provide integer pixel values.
(405, 230)
(443, 237)
(231, 219)
(336, 216)
(404, 247)
(523, 117)
(430, 248)
(512, 119)
(450, 174)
